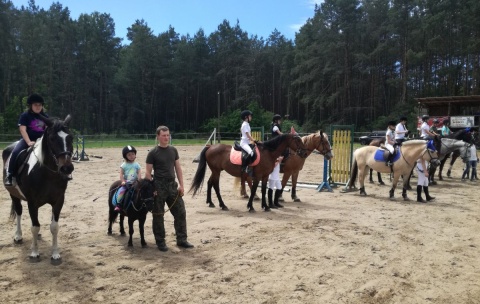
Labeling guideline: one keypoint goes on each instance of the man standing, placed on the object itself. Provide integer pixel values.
(164, 160)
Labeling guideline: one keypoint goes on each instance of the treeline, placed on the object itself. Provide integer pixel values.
(354, 62)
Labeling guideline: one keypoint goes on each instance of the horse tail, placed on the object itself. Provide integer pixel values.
(13, 214)
(236, 183)
(353, 173)
(200, 174)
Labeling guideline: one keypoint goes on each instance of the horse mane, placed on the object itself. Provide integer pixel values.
(273, 143)
(414, 142)
(461, 135)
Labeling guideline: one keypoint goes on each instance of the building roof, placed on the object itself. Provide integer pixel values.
(472, 100)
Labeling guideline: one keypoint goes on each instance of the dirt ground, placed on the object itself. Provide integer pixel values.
(332, 247)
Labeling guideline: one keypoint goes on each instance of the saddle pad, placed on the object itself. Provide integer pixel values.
(236, 157)
(379, 156)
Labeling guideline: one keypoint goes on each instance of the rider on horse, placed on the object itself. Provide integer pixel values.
(246, 116)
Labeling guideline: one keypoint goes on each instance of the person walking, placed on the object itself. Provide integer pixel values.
(165, 163)
(471, 163)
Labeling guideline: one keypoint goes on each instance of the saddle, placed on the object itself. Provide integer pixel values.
(237, 154)
(381, 155)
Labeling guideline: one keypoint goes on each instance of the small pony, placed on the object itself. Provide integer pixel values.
(141, 203)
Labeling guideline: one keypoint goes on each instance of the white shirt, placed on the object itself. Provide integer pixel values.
(425, 127)
(400, 131)
(275, 175)
(245, 128)
(473, 153)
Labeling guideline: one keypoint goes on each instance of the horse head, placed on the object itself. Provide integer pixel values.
(326, 148)
(431, 153)
(145, 194)
(58, 143)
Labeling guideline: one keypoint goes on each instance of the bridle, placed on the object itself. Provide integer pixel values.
(143, 201)
(299, 151)
(427, 150)
(55, 156)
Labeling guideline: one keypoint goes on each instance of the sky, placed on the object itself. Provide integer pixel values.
(256, 17)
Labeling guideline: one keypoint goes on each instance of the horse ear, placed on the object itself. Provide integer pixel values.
(46, 120)
(67, 119)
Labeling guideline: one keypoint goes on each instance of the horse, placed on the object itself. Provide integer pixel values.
(141, 203)
(404, 162)
(450, 145)
(43, 173)
(294, 163)
(217, 157)
(460, 135)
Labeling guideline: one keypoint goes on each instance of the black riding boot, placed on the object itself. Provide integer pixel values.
(427, 195)
(245, 164)
(419, 194)
(389, 160)
(278, 193)
(270, 199)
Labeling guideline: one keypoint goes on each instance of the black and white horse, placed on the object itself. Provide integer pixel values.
(140, 204)
(42, 178)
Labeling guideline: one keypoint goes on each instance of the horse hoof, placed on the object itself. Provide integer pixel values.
(381, 183)
(109, 232)
(363, 193)
(371, 182)
(225, 208)
(144, 245)
(122, 233)
(245, 196)
(211, 205)
(280, 199)
(256, 198)
(393, 198)
(130, 245)
(267, 209)
(34, 258)
(20, 241)
(55, 257)
(251, 210)
(406, 199)
(433, 183)
(440, 178)
(297, 200)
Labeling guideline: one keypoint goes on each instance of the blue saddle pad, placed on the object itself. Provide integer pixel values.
(379, 156)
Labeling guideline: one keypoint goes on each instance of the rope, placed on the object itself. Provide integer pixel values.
(163, 213)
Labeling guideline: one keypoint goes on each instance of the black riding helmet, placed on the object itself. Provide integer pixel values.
(425, 117)
(245, 113)
(403, 118)
(392, 123)
(127, 149)
(35, 98)
(276, 117)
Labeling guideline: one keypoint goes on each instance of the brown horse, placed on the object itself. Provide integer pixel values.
(217, 157)
(294, 163)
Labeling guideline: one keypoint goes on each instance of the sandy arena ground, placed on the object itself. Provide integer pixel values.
(330, 248)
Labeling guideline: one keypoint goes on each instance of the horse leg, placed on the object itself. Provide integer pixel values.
(452, 161)
(264, 190)
(16, 212)
(252, 195)
(394, 186)
(122, 229)
(131, 219)
(285, 178)
(209, 193)
(371, 178)
(35, 230)
(361, 180)
(294, 187)
(54, 230)
(431, 175)
(406, 182)
(442, 163)
(379, 176)
(141, 227)
(216, 186)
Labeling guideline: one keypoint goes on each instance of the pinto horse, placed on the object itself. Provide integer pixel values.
(141, 203)
(409, 153)
(42, 177)
(454, 156)
(217, 157)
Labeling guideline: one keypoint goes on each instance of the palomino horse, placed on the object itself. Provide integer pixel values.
(42, 177)
(141, 202)
(313, 142)
(217, 157)
(409, 153)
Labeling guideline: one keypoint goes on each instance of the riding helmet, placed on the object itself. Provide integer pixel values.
(245, 113)
(392, 123)
(127, 149)
(276, 117)
(403, 118)
(35, 98)
(425, 117)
